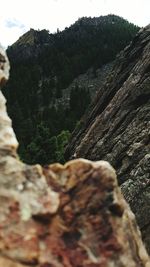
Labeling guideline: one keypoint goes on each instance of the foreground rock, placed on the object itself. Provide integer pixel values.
(72, 215)
(117, 126)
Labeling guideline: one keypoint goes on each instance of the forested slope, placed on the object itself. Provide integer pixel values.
(43, 65)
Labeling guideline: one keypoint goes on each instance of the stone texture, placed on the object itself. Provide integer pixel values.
(72, 215)
(117, 127)
(91, 226)
(89, 80)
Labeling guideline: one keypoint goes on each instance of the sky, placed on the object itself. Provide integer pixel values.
(18, 16)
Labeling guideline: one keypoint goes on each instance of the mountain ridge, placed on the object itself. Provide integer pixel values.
(43, 66)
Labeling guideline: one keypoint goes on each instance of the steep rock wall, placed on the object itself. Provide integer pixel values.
(117, 127)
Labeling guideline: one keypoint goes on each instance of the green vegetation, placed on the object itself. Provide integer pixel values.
(44, 64)
(46, 148)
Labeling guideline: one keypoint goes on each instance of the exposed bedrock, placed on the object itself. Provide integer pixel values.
(116, 128)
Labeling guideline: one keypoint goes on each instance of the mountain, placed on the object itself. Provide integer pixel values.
(45, 95)
(62, 215)
(117, 127)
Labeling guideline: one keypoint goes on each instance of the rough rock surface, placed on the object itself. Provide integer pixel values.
(117, 127)
(71, 216)
(89, 80)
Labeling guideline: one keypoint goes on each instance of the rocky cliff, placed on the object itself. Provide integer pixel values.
(117, 127)
(62, 216)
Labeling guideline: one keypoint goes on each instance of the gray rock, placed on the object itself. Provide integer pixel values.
(117, 127)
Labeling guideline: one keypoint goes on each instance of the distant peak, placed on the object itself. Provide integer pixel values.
(27, 38)
(33, 37)
(110, 18)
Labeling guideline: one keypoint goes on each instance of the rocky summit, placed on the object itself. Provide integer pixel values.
(117, 127)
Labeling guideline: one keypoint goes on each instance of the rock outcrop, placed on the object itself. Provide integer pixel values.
(72, 215)
(117, 127)
(89, 80)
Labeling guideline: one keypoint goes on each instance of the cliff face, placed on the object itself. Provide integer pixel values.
(62, 216)
(117, 126)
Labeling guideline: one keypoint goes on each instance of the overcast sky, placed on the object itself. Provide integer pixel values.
(18, 16)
